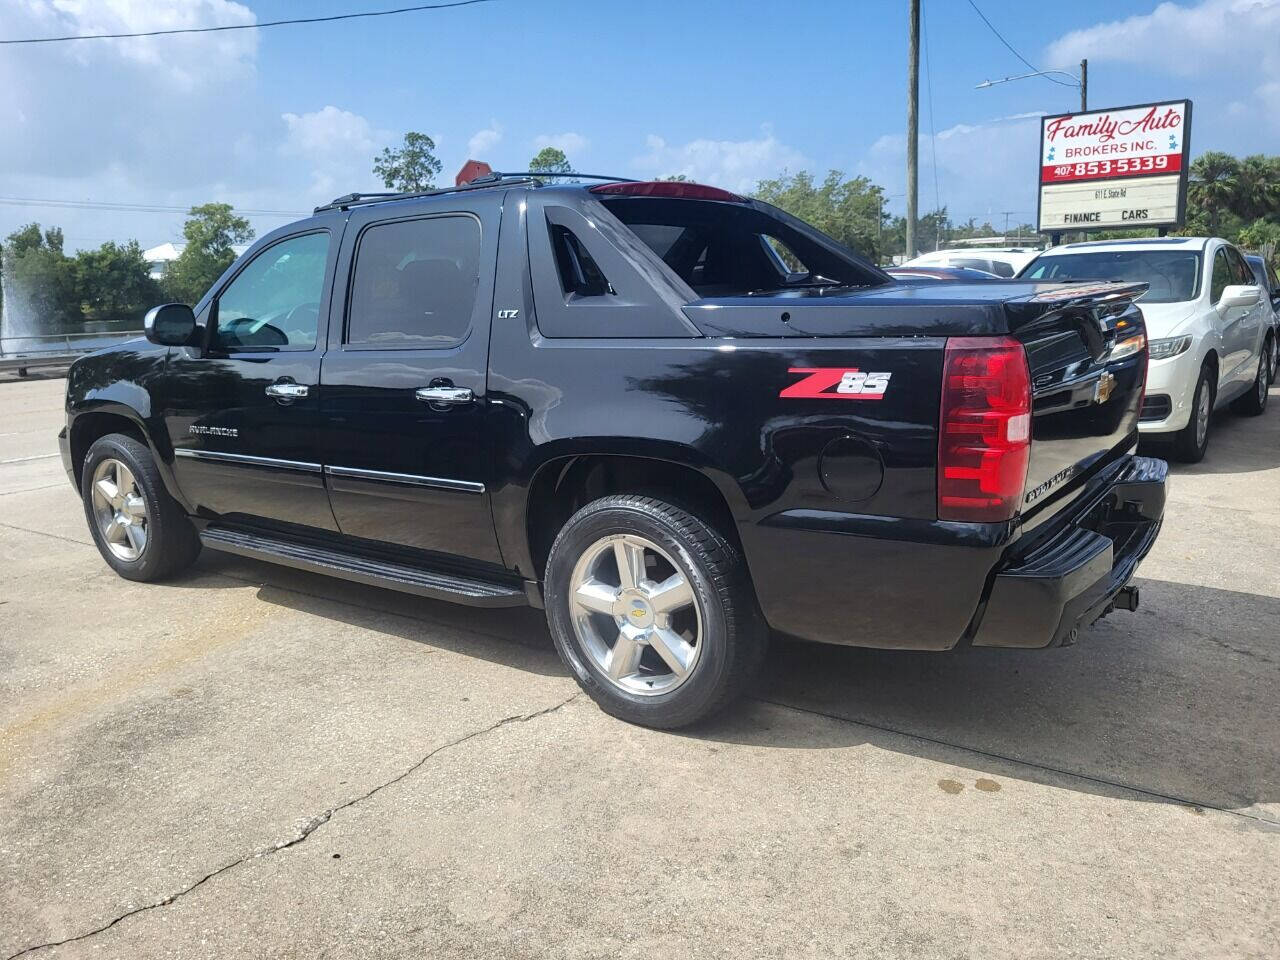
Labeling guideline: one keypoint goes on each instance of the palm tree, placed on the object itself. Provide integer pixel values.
(1214, 180)
(1258, 187)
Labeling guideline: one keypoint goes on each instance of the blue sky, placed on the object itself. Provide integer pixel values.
(726, 92)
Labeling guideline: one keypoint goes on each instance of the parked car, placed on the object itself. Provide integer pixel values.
(1265, 274)
(1210, 327)
(938, 273)
(672, 416)
(1001, 261)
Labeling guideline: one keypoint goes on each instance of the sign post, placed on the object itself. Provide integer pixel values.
(1115, 169)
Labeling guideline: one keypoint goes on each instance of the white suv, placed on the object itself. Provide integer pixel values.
(1207, 325)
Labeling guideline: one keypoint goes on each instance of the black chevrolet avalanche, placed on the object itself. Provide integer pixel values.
(675, 418)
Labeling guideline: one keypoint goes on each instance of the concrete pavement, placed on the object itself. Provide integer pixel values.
(254, 761)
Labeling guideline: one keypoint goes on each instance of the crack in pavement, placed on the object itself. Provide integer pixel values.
(47, 486)
(308, 828)
(43, 533)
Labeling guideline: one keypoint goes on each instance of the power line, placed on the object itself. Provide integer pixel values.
(133, 207)
(1009, 46)
(250, 26)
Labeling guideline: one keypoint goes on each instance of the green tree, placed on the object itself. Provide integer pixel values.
(1212, 189)
(1257, 187)
(933, 230)
(1262, 236)
(114, 282)
(550, 160)
(850, 211)
(411, 167)
(210, 231)
(40, 281)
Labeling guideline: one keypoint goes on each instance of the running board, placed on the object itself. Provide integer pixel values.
(376, 573)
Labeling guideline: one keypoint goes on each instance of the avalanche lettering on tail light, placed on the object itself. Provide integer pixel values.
(837, 383)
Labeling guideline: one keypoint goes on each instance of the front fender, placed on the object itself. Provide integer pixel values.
(115, 385)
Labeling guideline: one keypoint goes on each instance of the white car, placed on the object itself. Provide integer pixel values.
(1208, 327)
(1001, 261)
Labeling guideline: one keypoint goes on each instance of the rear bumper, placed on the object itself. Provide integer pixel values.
(1059, 584)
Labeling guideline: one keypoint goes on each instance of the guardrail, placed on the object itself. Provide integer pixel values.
(54, 349)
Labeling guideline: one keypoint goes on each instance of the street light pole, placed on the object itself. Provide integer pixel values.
(1081, 81)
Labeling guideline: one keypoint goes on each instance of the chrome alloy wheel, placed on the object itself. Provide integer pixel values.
(1263, 383)
(1204, 408)
(635, 614)
(119, 509)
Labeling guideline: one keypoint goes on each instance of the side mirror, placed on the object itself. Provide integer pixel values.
(170, 325)
(1240, 295)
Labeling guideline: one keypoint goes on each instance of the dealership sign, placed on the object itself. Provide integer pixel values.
(1115, 168)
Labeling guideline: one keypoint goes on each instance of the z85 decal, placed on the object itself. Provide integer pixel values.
(838, 383)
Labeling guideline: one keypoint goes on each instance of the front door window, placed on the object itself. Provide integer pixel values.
(274, 302)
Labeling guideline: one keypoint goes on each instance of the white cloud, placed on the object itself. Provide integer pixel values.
(983, 169)
(70, 109)
(327, 131)
(337, 145)
(1186, 39)
(173, 120)
(185, 60)
(570, 143)
(732, 164)
(483, 141)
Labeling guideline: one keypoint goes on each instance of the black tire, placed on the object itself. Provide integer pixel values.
(171, 543)
(733, 637)
(1187, 446)
(1254, 403)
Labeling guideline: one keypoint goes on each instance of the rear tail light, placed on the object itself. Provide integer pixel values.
(681, 189)
(984, 433)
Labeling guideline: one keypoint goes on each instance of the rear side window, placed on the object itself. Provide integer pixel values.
(579, 273)
(785, 258)
(414, 283)
(1241, 269)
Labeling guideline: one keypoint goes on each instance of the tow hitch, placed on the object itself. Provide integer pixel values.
(1126, 599)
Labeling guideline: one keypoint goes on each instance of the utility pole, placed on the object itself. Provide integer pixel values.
(880, 225)
(913, 127)
(1084, 86)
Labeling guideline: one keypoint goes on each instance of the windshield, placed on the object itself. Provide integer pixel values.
(1172, 274)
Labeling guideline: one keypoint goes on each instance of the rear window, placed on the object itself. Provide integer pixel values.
(1171, 274)
(727, 250)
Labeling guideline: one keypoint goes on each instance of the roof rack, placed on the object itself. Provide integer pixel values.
(542, 174)
(529, 177)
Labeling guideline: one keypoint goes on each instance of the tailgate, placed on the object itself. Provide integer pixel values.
(1086, 346)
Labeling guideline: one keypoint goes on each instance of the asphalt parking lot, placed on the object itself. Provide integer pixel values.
(254, 761)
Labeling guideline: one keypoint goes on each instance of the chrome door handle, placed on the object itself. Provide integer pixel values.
(444, 395)
(288, 391)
